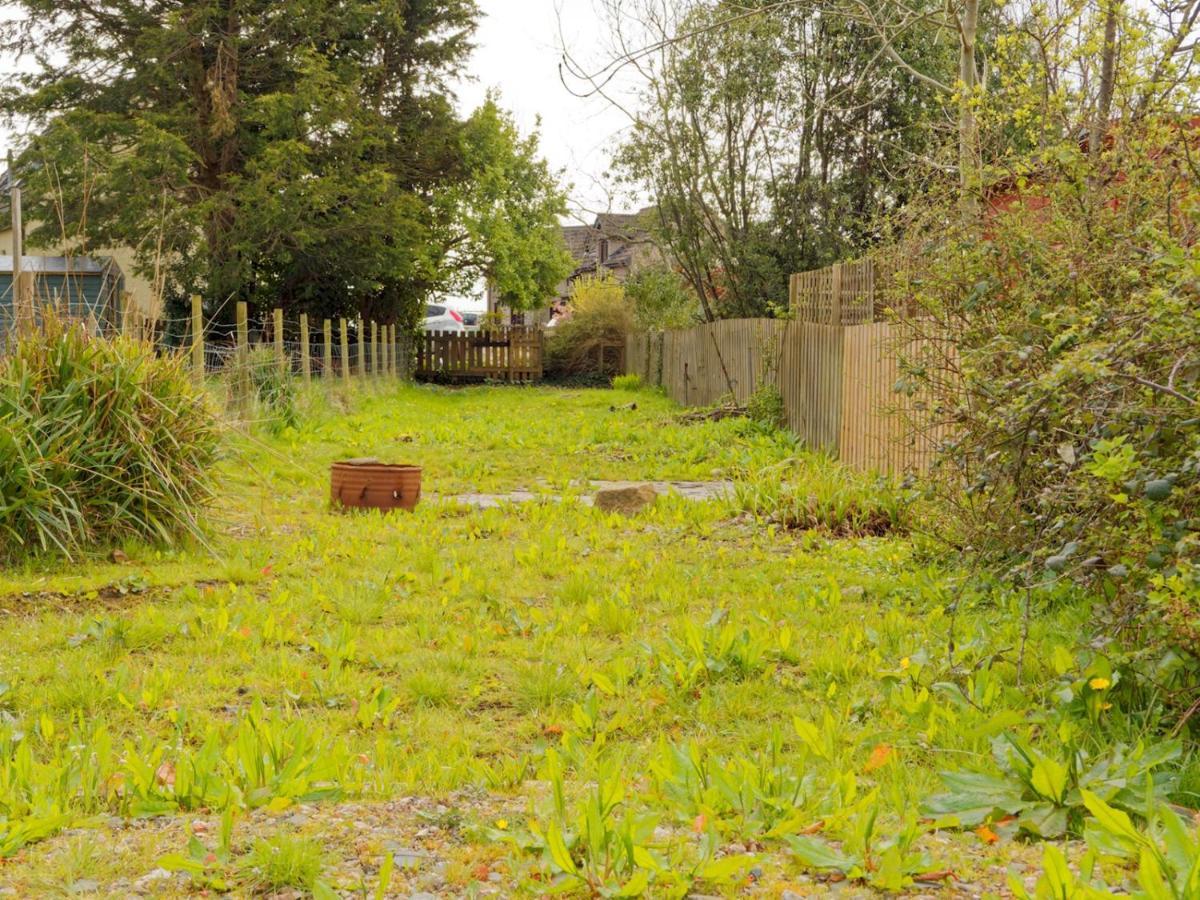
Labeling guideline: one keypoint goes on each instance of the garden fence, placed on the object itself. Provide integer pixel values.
(838, 382)
(332, 348)
(852, 293)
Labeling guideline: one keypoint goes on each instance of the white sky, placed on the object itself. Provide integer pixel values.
(518, 52)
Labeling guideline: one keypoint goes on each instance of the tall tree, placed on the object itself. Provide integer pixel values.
(769, 138)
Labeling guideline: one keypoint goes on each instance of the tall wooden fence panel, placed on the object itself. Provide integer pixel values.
(841, 294)
(837, 382)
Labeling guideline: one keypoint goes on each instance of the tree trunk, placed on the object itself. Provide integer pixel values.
(1108, 76)
(969, 167)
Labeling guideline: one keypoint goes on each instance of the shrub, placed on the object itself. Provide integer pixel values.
(662, 299)
(765, 406)
(627, 382)
(100, 441)
(584, 343)
(1062, 354)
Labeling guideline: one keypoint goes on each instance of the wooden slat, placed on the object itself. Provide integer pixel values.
(513, 354)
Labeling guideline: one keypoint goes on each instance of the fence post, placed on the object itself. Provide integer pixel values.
(835, 295)
(362, 348)
(241, 377)
(374, 348)
(345, 352)
(388, 363)
(305, 363)
(197, 337)
(243, 328)
(327, 349)
(278, 329)
(23, 303)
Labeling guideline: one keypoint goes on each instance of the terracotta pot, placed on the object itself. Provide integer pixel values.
(371, 484)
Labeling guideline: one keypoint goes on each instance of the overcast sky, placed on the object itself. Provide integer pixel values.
(518, 53)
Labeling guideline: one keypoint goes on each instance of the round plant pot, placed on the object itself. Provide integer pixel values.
(371, 484)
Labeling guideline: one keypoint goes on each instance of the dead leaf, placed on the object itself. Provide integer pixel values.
(944, 875)
(987, 835)
(880, 757)
(165, 774)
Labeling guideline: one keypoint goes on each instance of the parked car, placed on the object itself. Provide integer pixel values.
(443, 318)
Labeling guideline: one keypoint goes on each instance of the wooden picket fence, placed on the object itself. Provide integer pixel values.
(511, 354)
(837, 382)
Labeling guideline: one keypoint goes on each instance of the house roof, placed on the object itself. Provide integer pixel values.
(625, 226)
(578, 239)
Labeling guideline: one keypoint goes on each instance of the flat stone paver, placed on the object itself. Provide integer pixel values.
(696, 491)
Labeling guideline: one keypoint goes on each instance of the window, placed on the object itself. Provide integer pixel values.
(604, 250)
(432, 311)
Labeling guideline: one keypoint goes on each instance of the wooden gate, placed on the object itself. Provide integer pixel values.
(509, 354)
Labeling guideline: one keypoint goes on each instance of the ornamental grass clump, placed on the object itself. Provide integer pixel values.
(100, 441)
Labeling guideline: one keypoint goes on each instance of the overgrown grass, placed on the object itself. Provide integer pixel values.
(812, 492)
(672, 699)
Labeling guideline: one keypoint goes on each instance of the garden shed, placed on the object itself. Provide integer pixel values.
(80, 286)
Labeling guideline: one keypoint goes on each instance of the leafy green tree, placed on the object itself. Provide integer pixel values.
(772, 141)
(662, 298)
(508, 212)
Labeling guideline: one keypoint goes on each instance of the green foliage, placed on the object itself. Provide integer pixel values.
(101, 442)
(1165, 855)
(430, 655)
(319, 165)
(765, 406)
(627, 383)
(1071, 395)
(600, 319)
(1045, 794)
(661, 299)
(754, 172)
(510, 209)
(887, 862)
(606, 848)
(282, 862)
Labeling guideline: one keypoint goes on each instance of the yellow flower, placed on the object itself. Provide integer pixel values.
(502, 824)
(905, 663)
(1099, 684)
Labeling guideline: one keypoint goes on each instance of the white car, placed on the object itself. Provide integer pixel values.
(443, 318)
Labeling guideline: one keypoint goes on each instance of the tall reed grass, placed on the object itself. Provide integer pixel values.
(100, 441)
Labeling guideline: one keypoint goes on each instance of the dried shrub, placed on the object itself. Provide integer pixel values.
(583, 344)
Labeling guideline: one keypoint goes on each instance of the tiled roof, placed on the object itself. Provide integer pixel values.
(578, 239)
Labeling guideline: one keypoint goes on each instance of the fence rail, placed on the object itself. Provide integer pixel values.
(837, 382)
(512, 354)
